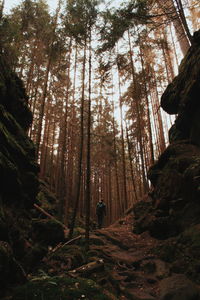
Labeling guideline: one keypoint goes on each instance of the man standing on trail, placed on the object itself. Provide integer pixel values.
(100, 212)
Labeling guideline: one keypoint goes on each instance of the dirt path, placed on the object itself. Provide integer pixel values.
(133, 269)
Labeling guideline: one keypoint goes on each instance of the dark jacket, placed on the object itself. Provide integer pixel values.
(101, 208)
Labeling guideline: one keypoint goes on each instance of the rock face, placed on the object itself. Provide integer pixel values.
(18, 176)
(18, 167)
(182, 97)
(178, 287)
(174, 202)
(172, 209)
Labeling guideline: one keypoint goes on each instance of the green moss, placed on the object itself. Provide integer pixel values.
(15, 137)
(17, 165)
(10, 141)
(60, 288)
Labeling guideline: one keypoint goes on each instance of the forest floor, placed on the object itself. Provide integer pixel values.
(133, 270)
(124, 264)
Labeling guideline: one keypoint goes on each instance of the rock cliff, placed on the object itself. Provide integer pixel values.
(18, 177)
(172, 210)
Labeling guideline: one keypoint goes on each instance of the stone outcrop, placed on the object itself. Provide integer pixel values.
(182, 97)
(178, 287)
(173, 204)
(176, 175)
(18, 177)
(18, 167)
(172, 209)
(25, 232)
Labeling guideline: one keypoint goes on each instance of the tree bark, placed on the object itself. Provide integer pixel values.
(88, 175)
(80, 158)
(145, 185)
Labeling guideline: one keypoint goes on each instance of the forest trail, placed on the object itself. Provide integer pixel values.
(134, 270)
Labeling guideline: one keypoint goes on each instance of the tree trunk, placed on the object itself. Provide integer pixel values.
(62, 163)
(131, 166)
(72, 134)
(145, 185)
(116, 166)
(152, 159)
(169, 9)
(125, 205)
(46, 79)
(2, 9)
(183, 19)
(88, 175)
(79, 170)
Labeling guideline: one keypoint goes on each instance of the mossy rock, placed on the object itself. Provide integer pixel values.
(142, 208)
(46, 199)
(48, 232)
(60, 288)
(18, 168)
(183, 253)
(13, 95)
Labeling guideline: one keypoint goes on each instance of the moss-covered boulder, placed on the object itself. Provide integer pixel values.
(47, 231)
(46, 200)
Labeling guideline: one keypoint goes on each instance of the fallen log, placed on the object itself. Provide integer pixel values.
(60, 246)
(85, 270)
(49, 216)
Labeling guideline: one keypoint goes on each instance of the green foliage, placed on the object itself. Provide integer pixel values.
(60, 288)
(117, 22)
(79, 18)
